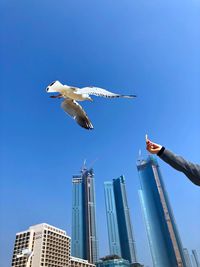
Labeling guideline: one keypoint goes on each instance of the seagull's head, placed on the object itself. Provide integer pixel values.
(54, 87)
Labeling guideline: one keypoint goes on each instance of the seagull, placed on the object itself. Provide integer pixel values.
(73, 94)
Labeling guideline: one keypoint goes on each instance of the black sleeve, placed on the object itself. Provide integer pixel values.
(191, 170)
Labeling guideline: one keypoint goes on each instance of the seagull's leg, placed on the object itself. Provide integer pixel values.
(89, 98)
(56, 96)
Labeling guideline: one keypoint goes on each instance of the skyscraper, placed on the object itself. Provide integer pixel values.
(195, 257)
(164, 241)
(120, 232)
(84, 233)
(187, 258)
(112, 224)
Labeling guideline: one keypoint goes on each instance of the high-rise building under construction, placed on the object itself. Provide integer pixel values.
(84, 232)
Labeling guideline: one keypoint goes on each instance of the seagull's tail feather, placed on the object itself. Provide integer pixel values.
(118, 96)
(128, 96)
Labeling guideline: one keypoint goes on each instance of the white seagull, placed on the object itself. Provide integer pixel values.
(73, 94)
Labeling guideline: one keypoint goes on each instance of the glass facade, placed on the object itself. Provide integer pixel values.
(195, 256)
(113, 263)
(112, 224)
(164, 241)
(84, 233)
(118, 217)
(77, 217)
(187, 258)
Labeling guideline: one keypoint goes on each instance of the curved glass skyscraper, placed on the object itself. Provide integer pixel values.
(187, 258)
(164, 241)
(195, 257)
(120, 233)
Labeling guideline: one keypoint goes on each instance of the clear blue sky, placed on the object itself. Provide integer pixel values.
(150, 48)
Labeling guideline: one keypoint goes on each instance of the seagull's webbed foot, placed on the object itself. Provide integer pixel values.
(56, 96)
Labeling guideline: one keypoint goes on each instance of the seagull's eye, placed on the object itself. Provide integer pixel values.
(51, 84)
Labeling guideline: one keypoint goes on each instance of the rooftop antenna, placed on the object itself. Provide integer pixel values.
(84, 166)
(139, 159)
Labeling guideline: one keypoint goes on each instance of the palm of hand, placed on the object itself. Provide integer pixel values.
(153, 147)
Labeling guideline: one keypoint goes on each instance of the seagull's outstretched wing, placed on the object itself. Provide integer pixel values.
(101, 92)
(72, 108)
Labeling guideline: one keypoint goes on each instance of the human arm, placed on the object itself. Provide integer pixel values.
(191, 170)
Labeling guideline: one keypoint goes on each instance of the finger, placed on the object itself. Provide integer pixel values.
(155, 145)
(148, 149)
(148, 141)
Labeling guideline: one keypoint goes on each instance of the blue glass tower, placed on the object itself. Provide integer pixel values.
(77, 217)
(84, 233)
(195, 257)
(187, 257)
(112, 224)
(120, 232)
(164, 241)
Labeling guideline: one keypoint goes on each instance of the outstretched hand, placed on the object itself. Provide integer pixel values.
(153, 148)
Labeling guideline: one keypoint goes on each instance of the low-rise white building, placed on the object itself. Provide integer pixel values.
(43, 245)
